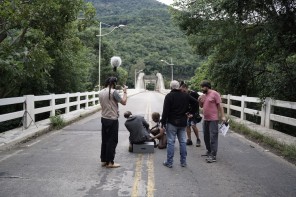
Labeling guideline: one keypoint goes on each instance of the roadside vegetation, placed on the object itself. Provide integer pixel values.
(288, 152)
(57, 121)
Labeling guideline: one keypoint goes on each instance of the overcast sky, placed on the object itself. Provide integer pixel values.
(168, 2)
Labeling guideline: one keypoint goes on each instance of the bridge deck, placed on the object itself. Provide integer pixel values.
(66, 163)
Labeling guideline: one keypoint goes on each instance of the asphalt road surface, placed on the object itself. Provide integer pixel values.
(67, 163)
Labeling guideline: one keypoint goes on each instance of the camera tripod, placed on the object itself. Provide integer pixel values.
(23, 120)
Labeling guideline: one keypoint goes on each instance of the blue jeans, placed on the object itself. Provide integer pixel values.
(171, 133)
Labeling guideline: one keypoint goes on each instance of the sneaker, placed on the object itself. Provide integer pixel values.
(113, 165)
(183, 164)
(189, 142)
(206, 154)
(103, 164)
(198, 143)
(155, 144)
(130, 148)
(211, 159)
(167, 165)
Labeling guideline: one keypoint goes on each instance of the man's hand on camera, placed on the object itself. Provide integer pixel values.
(189, 115)
(163, 125)
(124, 89)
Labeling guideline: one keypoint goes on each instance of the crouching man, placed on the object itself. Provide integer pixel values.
(138, 128)
(158, 132)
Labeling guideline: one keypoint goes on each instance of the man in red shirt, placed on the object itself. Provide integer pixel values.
(211, 101)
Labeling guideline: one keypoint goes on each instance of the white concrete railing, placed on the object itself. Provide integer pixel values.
(29, 110)
(265, 113)
(91, 99)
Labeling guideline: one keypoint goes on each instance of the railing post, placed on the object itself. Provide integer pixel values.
(99, 102)
(78, 101)
(29, 115)
(269, 110)
(243, 105)
(228, 104)
(93, 97)
(67, 103)
(86, 99)
(263, 113)
(52, 104)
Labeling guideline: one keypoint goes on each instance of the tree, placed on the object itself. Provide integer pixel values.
(45, 49)
(249, 45)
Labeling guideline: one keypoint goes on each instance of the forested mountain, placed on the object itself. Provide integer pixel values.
(148, 36)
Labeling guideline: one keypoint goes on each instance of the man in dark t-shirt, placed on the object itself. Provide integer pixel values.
(192, 121)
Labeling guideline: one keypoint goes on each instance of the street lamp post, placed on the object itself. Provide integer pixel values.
(172, 68)
(136, 76)
(100, 39)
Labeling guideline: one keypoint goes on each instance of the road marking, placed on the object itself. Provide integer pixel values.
(8, 156)
(138, 174)
(147, 111)
(139, 164)
(33, 143)
(151, 184)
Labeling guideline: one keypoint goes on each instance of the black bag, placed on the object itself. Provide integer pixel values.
(197, 117)
(179, 122)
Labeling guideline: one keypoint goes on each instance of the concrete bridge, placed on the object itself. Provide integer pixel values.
(66, 162)
(157, 80)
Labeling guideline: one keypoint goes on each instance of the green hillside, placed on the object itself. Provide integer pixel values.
(148, 37)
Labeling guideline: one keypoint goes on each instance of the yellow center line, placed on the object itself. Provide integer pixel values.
(139, 164)
(151, 184)
(138, 175)
(147, 110)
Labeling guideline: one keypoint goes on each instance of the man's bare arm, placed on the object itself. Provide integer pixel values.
(124, 97)
(201, 101)
(221, 110)
(161, 133)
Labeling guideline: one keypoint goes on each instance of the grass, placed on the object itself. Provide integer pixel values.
(57, 122)
(288, 152)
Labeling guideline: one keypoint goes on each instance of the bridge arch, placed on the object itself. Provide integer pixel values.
(143, 80)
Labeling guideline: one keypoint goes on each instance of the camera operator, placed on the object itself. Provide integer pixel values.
(109, 99)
